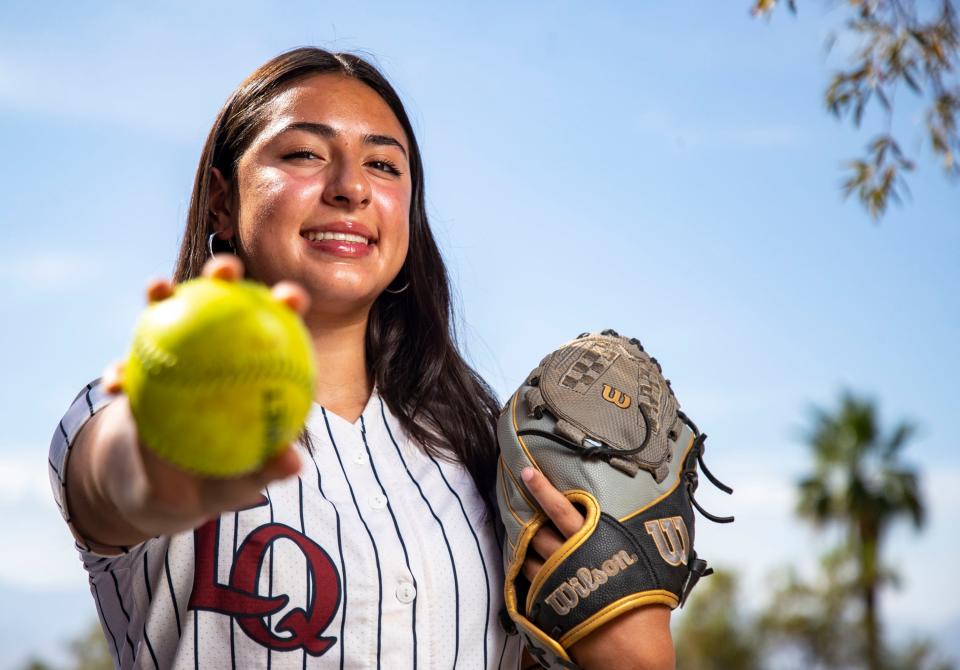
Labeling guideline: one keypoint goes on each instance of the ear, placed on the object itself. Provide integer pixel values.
(220, 204)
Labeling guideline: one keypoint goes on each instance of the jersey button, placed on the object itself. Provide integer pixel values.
(360, 458)
(378, 501)
(406, 592)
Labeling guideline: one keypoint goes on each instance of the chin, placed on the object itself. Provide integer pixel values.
(342, 296)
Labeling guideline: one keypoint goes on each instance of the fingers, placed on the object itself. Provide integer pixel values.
(184, 496)
(284, 464)
(546, 541)
(223, 266)
(532, 566)
(555, 505)
(159, 289)
(567, 519)
(112, 377)
(292, 295)
(239, 492)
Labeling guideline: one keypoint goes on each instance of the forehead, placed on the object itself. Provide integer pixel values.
(347, 105)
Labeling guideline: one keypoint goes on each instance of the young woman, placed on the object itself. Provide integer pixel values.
(370, 543)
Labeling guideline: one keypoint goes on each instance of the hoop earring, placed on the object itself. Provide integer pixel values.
(399, 290)
(229, 243)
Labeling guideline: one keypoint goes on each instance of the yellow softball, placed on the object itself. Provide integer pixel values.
(220, 376)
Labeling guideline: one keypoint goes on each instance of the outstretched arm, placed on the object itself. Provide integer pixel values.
(121, 493)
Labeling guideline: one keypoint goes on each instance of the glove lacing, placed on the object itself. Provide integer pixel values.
(689, 472)
(698, 566)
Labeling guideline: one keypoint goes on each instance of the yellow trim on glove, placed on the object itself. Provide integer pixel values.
(617, 609)
(506, 494)
(572, 543)
(516, 430)
(510, 592)
(668, 491)
(520, 487)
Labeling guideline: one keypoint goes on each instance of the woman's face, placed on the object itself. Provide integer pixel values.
(324, 194)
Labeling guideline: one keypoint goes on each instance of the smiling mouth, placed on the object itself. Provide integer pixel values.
(317, 236)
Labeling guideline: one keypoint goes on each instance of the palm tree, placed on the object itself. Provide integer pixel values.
(860, 484)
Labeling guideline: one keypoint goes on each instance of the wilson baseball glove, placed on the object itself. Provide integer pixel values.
(600, 421)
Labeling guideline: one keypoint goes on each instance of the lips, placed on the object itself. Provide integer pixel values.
(317, 236)
(345, 239)
(332, 228)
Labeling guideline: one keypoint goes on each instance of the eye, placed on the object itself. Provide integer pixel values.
(302, 154)
(385, 166)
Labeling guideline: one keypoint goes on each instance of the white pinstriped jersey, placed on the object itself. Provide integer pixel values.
(376, 556)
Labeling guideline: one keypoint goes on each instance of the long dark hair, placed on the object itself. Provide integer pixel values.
(411, 347)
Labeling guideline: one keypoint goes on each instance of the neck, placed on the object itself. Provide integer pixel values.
(343, 386)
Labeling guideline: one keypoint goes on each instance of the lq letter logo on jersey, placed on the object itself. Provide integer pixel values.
(567, 596)
(303, 627)
(670, 536)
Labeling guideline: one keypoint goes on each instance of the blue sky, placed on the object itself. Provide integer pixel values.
(666, 169)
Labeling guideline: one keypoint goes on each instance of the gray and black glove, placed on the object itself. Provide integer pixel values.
(600, 421)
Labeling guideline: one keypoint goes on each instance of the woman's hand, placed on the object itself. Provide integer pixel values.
(639, 639)
(121, 493)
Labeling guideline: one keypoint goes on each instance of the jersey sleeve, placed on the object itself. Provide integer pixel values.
(88, 402)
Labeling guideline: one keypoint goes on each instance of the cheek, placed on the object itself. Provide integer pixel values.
(394, 205)
(275, 201)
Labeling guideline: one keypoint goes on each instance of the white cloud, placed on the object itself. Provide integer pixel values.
(928, 596)
(107, 90)
(767, 535)
(943, 491)
(46, 558)
(754, 135)
(24, 478)
(760, 136)
(114, 67)
(50, 270)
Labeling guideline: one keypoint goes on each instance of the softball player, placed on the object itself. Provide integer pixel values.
(370, 543)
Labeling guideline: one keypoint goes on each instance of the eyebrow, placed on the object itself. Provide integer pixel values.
(328, 132)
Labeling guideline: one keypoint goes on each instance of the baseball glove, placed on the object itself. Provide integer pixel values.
(600, 421)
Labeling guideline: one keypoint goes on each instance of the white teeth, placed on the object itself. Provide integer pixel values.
(315, 236)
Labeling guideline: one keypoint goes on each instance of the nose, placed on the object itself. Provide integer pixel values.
(347, 186)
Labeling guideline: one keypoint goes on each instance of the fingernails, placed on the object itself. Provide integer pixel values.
(112, 378)
(224, 271)
(158, 289)
(285, 464)
(223, 266)
(526, 474)
(292, 295)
